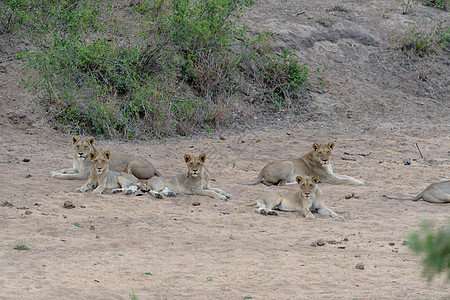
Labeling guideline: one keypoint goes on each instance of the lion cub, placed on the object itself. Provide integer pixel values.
(129, 163)
(101, 178)
(307, 199)
(195, 182)
(315, 163)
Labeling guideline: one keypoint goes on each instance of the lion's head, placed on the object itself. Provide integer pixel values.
(83, 146)
(307, 185)
(322, 152)
(195, 165)
(100, 162)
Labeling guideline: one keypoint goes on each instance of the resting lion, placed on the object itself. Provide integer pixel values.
(130, 163)
(437, 192)
(195, 182)
(315, 163)
(101, 178)
(307, 199)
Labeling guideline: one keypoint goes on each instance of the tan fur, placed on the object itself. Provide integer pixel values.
(195, 182)
(437, 192)
(101, 178)
(129, 163)
(307, 199)
(315, 163)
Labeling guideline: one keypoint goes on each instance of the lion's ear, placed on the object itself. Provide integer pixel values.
(315, 179)
(92, 155)
(330, 145)
(202, 157)
(299, 179)
(187, 158)
(90, 140)
(316, 146)
(107, 154)
(75, 139)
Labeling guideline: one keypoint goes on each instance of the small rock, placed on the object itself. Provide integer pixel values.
(407, 161)
(405, 243)
(28, 212)
(196, 203)
(391, 243)
(92, 227)
(222, 138)
(82, 206)
(332, 242)
(97, 236)
(319, 242)
(360, 266)
(7, 204)
(348, 196)
(68, 205)
(345, 239)
(26, 160)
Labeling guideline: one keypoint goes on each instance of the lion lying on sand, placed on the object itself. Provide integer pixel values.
(315, 163)
(437, 192)
(195, 182)
(307, 199)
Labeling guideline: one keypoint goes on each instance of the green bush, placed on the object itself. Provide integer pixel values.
(180, 71)
(434, 244)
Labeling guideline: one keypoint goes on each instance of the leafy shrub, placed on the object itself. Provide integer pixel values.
(434, 244)
(179, 72)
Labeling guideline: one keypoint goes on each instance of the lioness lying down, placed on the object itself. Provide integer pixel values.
(101, 178)
(130, 163)
(307, 199)
(195, 182)
(315, 163)
(437, 192)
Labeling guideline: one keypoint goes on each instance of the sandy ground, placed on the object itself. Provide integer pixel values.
(218, 250)
(367, 98)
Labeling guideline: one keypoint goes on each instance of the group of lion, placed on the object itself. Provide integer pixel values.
(122, 172)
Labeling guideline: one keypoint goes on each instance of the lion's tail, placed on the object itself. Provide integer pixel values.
(254, 202)
(399, 198)
(254, 182)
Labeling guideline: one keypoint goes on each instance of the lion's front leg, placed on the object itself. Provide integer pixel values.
(217, 190)
(100, 189)
(344, 179)
(209, 193)
(307, 213)
(85, 187)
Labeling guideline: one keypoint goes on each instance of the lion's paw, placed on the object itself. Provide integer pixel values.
(273, 212)
(310, 218)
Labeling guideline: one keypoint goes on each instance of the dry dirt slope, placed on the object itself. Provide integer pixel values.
(368, 103)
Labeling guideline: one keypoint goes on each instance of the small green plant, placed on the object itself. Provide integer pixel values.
(209, 278)
(441, 4)
(434, 245)
(148, 273)
(76, 224)
(133, 296)
(21, 245)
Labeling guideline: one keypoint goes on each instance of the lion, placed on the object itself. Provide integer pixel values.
(437, 192)
(129, 163)
(315, 163)
(195, 182)
(102, 178)
(307, 199)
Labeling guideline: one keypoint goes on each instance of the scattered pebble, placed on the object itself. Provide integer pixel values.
(360, 266)
(196, 203)
(97, 236)
(68, 205)
(7, 204)
(319, 242)
(405, 243)
(391, 243)
(92, 227)
(345, 239)
(348, 196)
(222, 138)
(26, 160)
(28, 212)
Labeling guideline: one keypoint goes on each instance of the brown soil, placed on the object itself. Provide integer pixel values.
(200, 248)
